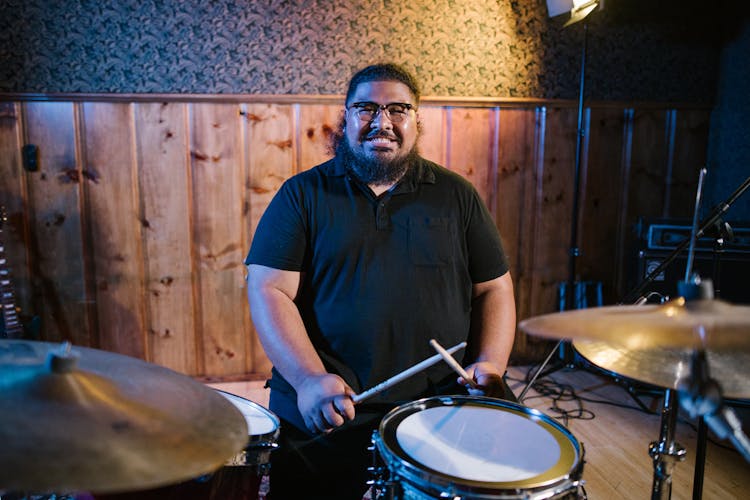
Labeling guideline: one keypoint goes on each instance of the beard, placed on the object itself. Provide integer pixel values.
(375, 171)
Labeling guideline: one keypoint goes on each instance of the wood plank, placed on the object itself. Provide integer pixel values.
(113, 219)
(432, 136)
(217, 209)
(553, 210)
(690, 155)
(164, 188)
(648, 171)
(56, 239)
(271, 145)
(601, 202)
(315, 126)
(516, 223)
(472, 147)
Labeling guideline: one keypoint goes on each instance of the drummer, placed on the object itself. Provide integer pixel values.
(356, 264)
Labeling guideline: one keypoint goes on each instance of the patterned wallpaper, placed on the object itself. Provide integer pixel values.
(502, 48)
(638, 50)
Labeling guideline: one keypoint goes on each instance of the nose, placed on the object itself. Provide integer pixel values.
(381, 121)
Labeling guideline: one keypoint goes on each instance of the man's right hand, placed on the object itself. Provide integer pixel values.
(325, 402)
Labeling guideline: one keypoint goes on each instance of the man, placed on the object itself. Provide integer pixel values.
(355, 265)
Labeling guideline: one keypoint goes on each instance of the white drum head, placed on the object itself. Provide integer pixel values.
(478, 443)
(260, 422)
(466, 444)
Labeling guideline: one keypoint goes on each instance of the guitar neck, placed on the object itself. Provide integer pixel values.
(13, 328)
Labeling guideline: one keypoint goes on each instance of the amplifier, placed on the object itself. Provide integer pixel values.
(730, 273)
(728, 266)
(668, 234)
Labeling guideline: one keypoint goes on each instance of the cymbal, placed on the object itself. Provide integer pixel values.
(697, 324)
(666, 367)
(91, 420)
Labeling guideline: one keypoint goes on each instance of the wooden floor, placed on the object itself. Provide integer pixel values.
(615, 438)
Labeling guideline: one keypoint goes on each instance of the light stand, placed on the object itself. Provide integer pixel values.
(578, 9)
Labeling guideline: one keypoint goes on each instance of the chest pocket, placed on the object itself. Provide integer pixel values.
(432, 240)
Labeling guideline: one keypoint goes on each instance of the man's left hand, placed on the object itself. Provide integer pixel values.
(488, 379)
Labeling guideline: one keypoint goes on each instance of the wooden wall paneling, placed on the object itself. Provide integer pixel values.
(315, 125)
(271, 141)
(625, 277)
(472, 150)
(690, 152)
(648, 172)
(648, 177)
(514, 187)
(164, 186)
(113, 219)
(56, 241)
(554, 209)
(600, 207)
(432, 137)
(218, 245)
(13, 198)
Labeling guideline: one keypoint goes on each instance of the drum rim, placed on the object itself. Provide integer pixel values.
(568, 466)
(268, 436)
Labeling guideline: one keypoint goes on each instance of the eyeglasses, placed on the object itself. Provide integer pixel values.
(396, 112)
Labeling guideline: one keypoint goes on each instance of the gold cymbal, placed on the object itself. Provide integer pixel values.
(96, 421)
(697, 324)
(667, 367)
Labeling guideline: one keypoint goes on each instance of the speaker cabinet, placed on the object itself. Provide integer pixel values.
(729, 271)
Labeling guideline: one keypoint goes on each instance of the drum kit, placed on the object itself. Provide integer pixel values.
(89, 424)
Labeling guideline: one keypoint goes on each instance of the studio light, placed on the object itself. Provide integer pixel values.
(578, 9)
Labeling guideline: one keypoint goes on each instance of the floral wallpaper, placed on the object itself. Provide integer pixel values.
(502, 48)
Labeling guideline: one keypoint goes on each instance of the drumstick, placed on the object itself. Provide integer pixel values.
(453, 363)
(357, 398)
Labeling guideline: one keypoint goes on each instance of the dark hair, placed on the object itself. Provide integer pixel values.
(383, 72)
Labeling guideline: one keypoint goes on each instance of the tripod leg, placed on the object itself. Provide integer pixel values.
(539, 371)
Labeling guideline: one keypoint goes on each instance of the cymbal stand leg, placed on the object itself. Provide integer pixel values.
(538, 372)
(666, 451)
(700, 459)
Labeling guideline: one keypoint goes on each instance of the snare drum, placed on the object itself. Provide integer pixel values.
(472, 447)
(242, 475)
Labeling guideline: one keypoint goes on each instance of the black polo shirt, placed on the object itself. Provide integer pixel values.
(381, 275)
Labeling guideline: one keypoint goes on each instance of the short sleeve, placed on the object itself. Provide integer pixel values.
(280, 238)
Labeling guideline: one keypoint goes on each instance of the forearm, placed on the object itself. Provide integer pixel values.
(494, 322)
(280, 327)
(323, 399)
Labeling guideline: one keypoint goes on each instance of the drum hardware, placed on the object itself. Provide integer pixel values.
(264, 428)
(665, 453)
(380, 483)
(80, 419)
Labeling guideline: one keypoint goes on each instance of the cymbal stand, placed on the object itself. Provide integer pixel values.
(665, 452)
